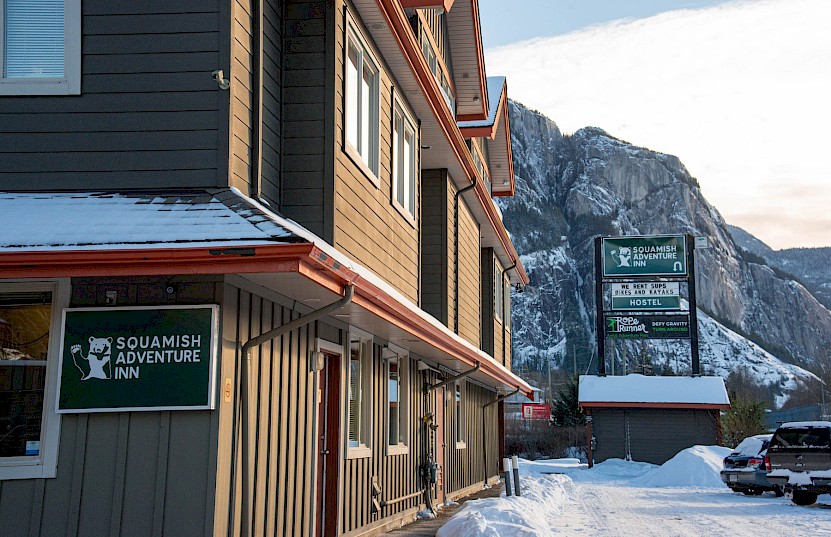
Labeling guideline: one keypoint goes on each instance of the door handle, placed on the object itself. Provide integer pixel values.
(324, 452)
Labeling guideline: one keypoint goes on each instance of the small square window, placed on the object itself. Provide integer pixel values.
(40, 47)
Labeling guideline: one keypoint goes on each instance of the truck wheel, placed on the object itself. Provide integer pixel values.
(803, 497)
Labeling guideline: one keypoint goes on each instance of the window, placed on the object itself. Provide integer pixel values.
(40, 47)
(438, 71)
(459, 414)
(360, 389)
(497, 290)
(362, 81)
(397, 404)
(404, 169)
(480, 165)
(29, 426)
(506, 302)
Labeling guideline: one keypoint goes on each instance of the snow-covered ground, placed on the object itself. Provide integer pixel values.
(683, 497)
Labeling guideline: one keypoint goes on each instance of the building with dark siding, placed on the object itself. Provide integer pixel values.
(252, 277)
(650, 419)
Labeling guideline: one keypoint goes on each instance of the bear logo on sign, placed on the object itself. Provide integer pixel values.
(96, 364)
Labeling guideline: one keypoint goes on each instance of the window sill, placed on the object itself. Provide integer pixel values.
(358, 161)
(404, 213)
(400, 449)
(461, 445)
(29, 86)
(25, 469)
(359, 452)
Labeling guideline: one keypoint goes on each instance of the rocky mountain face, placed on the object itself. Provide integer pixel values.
(810, 266)
(570, 189)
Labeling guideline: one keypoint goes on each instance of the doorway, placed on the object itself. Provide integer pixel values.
(328, 433)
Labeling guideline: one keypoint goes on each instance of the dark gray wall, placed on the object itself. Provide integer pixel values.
(655, 435)
(487, 304)
(434, 244)
(308, 117)
(131, 473)
(149, 114)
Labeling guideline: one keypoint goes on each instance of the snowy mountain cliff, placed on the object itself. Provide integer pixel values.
(570, 189)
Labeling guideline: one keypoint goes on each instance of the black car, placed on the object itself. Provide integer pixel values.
(744, 469)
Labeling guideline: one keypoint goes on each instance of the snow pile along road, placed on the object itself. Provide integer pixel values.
(683, 497)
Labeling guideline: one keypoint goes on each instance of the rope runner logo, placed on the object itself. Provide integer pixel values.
(627, 325)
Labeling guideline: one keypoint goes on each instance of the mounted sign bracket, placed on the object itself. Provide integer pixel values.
(460, 376)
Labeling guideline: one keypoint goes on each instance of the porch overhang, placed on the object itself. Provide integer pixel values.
(306, 270)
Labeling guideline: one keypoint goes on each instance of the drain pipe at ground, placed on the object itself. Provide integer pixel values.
(485, 431)
(247, 508)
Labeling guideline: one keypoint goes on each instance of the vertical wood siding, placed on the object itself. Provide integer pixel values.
(307, 88)
(127, 473)
(465, 467)
(655, 435)
(367, 227)
(283, 436)
(149, 114)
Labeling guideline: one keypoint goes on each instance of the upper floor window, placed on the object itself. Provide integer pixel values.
(360, 390)
(498, 290)
(40, 47)
(506, 301)
(29, 426)
(479, 162)
(404, 165)
(362, 83)
(438, 71)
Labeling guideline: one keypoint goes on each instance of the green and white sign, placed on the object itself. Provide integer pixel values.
(648, 326)
(140, 358)
(646, 296)
(645, 256)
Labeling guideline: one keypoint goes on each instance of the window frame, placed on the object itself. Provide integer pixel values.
(506, 301)
(402, 359)
(371, 165)
(70, 84)
(410, 189)
(498, 290)
(360, 448)
(459, 418)
(45, 464)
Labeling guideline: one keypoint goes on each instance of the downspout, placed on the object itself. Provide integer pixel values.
(484, 433)
(256, 173)
(460, 376)
(247, 506)
(456, 252)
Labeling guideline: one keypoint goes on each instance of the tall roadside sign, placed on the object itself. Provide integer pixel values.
(644, 274)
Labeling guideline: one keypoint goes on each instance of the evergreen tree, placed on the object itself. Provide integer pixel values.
(566, 411)
(745, 418)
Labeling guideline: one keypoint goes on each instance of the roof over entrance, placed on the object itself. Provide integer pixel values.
(635, 391)
(75, 234)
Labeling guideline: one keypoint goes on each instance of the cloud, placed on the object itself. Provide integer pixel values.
(740, 92)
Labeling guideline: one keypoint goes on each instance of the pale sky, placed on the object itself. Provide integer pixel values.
(738, 90)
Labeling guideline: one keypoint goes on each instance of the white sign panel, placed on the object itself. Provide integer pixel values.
(646, 289)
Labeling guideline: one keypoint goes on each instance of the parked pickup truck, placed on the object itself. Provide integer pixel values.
(799, 460)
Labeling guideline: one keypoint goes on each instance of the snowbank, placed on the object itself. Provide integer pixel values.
(698, 466)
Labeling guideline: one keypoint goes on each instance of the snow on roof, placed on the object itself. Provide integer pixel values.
(495, 86)
(643, 389)
(121, 220)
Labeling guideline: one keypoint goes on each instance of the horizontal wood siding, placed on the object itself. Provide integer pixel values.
(434, 244)
(283, 432)
(655, 435)
(465, 467)
(125, 473)
(488, 319)
(368, 228)
(149, 114)
(307, 87)
(470, 312)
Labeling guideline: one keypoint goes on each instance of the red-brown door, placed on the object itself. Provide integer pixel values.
(328, 429)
